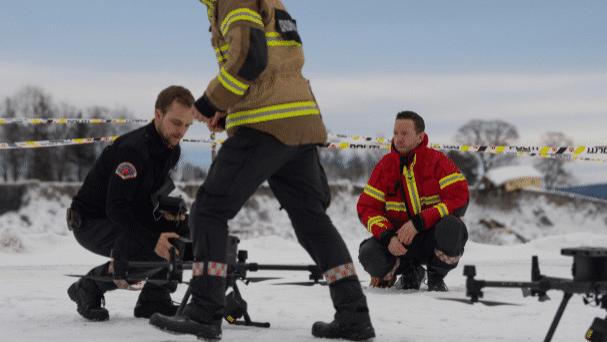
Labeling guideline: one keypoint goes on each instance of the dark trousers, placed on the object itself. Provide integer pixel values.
(449, 231)
(100, 236)
(298, 181)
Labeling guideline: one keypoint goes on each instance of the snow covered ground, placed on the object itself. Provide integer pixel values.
(34, 305)
(36, 251)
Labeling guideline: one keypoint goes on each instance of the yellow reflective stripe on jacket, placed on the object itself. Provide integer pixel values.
(275, 39)
(450, 179)
(240, 14)
(222, 53)
(430, 200)
(412, 186)
(376, 220)
(375, 193)
(396, 206)
(442, 209)
(231, 83)
(276, 112)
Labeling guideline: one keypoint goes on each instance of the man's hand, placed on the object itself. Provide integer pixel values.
(163, 246)
(396, 248)
(215, 123)
(406, 233)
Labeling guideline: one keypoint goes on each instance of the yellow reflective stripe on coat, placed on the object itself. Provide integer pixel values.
(430, 200)
(412, 186)
(240, 14)
(222, 53)
(442, 209)
(450, 179)
(276, 112)
(375, 193)
(376, 220)
(231, 83)
(275, 39)
(396, 206)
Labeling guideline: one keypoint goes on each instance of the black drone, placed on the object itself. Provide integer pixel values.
(589, 279)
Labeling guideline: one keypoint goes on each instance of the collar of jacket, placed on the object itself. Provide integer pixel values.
(211, 5)
(158, 148)
(409, 157)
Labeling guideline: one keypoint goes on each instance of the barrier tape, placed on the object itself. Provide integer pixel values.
(67, 121)
(345, 142)
(54, 143)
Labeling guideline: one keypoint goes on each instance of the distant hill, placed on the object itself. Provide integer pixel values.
(595, 190)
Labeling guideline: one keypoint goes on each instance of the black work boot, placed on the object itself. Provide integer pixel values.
(203, 315)
(436, 282)
(412, 276)
(89, 299)
(350, 326)
(154, 299)
(190, 322)
(352, 321)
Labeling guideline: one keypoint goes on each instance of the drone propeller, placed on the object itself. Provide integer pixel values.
(484, 302)
(134, 278)
(259, 279)
(304, 283)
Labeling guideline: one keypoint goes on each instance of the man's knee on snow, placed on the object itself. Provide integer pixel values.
(451, 236)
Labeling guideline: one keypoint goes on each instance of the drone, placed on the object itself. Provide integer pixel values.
(181, 258)
(589, 272)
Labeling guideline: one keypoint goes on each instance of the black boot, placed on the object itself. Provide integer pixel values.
(436, 282)
(88, 294)
(190, 322)
(412, 276)
(203, 315)
(154, 299)
(352, 321)
(349, 326)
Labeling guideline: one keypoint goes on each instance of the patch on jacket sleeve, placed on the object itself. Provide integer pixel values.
(126, 171)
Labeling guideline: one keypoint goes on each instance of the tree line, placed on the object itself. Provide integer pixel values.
(72, 163)
(65, 163)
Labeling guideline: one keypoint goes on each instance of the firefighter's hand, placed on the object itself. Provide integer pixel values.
(406, 233)
(396, 248)
(198, 115)
(216, 123)
(163, 246)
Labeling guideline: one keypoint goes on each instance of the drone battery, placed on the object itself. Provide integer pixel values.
(589, 264)
(597, 331)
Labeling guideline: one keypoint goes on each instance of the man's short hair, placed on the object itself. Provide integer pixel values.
(420, 126)
(171, 94)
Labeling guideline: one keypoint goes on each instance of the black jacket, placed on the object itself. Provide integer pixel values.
(120, 185)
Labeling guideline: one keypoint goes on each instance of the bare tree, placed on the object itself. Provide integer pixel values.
(488, 133)
(555, 174)
(467, 163)
(188, 172)
(14, 160)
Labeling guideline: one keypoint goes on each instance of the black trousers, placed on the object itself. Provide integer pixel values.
(100, 237)
(450, 231)
(298, 181)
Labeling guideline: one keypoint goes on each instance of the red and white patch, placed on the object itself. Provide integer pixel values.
(126, 171)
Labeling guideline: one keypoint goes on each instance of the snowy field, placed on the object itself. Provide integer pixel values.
(34, 304)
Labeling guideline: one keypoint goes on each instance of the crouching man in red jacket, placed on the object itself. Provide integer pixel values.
(413, 204)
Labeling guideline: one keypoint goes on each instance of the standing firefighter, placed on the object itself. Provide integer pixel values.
(274, 126)
(113, 213)
(412, 205)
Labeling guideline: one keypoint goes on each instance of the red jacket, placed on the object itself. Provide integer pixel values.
(431, 184)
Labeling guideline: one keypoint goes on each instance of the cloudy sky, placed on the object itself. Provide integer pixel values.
(540, 65)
